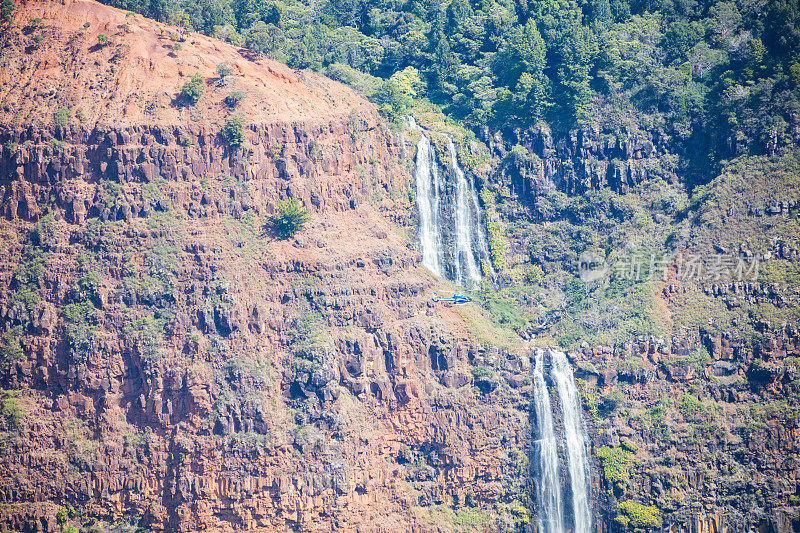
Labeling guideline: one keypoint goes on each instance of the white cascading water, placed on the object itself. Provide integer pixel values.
(451, 232)
(426, 174)
(575, 440)
(467, 271)
(551, 519)
(483, 245)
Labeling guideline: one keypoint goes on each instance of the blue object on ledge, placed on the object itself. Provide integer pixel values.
(456, 299)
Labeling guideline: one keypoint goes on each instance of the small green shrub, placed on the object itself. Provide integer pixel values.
(534, 275)
(224, 70)
(78, 321)
(10, 409)
(639, 517)
(233, 133)
(102, 39)
(193, 89)
(64, 514)
(235, 98)
(481, 372)
(10, 349)
(61, 117)
(616, 463)
(7, 9)
(26, 282)
(135, 440)
(145, 335)
(290, 218)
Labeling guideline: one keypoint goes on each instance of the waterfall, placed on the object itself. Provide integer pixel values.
(467, 272)
(573, 444)
(575, 441)
(426, 174)
(551, 518)
(483, 245)
(451, 233)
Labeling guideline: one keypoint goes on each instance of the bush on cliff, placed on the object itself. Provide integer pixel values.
(10, 347)
(61, 117)
(290, 218)
(7, 8)
(617, 463)
(10, 409)
(638, 517)
(233, 132)
(193, 89)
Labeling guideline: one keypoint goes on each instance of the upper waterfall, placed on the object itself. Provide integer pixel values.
(426, 174)
(467, 271)
(451, 234)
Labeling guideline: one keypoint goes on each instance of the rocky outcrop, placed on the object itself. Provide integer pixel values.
(538, 160)
(714, 439)
(168, 362)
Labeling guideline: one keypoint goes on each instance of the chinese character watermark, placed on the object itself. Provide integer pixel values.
(687, 266)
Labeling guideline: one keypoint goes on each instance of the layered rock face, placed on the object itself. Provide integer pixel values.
(538, 160)
(169, 362)
(713, 440)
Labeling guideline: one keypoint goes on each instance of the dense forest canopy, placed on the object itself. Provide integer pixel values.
(720, 74)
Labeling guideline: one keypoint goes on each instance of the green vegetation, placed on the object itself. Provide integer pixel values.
(144, 335)
(102, 39)
(65, 513)
(7, 9)
(290, 218)
(482, 372)
(617, 463)
(638, 517)
(78, 323)
(396, 95)
(497, 240)
(26, 282)
(135, 440)
(193, 89)
(443, 518)
(235, 98)
(10, 348)
(61, 117)
(707, 71)
(224, 70)
(233, 133)
(10, 408)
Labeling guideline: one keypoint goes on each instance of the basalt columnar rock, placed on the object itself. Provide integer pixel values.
(168, 363)
(538, 160)
(166, 360)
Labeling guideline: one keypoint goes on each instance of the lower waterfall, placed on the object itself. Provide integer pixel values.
(572, 445)
(551, 517)
(574, 439)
